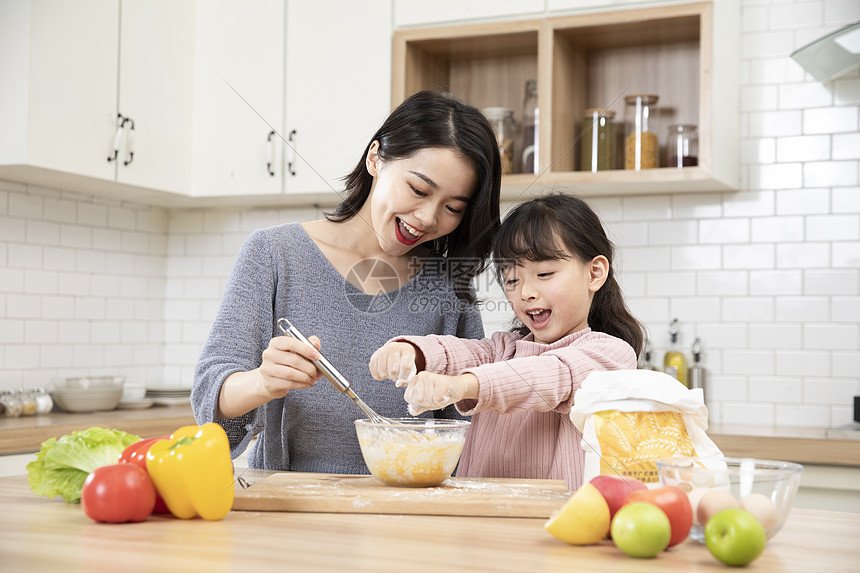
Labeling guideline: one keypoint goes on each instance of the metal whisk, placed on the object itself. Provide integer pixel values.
(340, 383)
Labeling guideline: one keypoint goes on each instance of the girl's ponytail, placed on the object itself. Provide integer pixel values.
(609, 314)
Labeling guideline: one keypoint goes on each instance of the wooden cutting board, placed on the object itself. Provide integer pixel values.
(332, 493)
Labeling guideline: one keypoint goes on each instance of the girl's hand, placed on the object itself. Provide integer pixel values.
(287, 365)
(429, 391)
(395, 360)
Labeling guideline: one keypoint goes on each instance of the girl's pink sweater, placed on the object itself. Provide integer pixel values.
(520, 423)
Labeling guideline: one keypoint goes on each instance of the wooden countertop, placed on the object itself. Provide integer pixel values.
(26, 434)
(40, 534)
(794, 444)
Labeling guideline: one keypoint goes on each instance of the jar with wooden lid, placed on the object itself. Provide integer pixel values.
(597, 140)
(682, 146)
(641, 147)
(502, 121)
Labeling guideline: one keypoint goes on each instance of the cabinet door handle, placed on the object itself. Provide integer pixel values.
(270, 153)
(120, 122)
(291, 143)
(130, 143)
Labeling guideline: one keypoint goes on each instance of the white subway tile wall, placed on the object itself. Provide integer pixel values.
(82, 285)
(768, 276)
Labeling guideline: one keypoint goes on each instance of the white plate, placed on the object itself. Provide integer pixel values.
(168, 394)
(172, 401)
(135, 404)
(168, 390)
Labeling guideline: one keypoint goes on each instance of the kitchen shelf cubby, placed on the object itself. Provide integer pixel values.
(594, 60)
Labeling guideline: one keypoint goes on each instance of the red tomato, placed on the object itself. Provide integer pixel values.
(674, 503)
(136, 454)
(118, 493)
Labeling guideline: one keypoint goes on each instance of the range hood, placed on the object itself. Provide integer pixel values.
(832, 55)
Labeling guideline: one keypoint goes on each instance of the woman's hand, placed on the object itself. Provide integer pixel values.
(394, 360)
(287, 365)
(429, 391)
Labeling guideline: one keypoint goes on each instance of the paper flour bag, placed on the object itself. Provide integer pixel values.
(628, 419)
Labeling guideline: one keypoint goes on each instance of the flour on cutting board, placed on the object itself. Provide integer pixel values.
(331, 493)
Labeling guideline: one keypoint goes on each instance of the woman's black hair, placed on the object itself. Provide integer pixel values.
(532, 231)
(431, 119)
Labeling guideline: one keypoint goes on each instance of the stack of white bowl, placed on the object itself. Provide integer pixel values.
(88, 394)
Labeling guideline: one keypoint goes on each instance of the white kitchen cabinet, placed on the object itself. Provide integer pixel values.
(156, 86)
(338, 78)
(308, 86)
(239, 99)
(70, 68)
(15, 464)
(832, 488)
(72, 71)
(58, 65)
(411, 13)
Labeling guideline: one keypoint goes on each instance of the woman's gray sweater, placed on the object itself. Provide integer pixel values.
(280, 272)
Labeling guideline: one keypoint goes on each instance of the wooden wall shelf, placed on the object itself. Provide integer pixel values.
(679, 52)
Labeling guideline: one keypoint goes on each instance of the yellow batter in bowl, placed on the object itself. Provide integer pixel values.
(414, 452)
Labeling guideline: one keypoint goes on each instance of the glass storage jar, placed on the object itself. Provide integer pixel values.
(11, 405)
(597, 140)
(28, 402)
(502, 121)
(44, 402)
(683, 145)
(530, 140)
(641, 149)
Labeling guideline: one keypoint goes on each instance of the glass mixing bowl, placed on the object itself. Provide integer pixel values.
(416, 452)
(766, 488)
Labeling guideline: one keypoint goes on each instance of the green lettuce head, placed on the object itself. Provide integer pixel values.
(61, 466)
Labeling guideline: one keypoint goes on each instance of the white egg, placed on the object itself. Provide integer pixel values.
(714, 501)
(762, 508)
(695, 496)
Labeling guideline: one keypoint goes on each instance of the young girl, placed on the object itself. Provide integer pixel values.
(425, 192)
(555, 262)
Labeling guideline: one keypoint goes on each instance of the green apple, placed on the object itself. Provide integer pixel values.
(641, 529)
(735, 537)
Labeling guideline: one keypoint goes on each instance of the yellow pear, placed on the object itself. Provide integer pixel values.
(583, 519)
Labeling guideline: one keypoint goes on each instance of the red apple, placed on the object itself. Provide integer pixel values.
(674, 503)
(616, 489)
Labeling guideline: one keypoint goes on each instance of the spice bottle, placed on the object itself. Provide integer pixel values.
(641, 149)
(683, 145)
(697, 373)
(674, 363)
(502, 121)
(646, 363)
(530, 162)
(597, 140)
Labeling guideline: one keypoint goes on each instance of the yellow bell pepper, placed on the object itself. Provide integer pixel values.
(193, 472)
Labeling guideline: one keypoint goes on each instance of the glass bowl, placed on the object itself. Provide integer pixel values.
(413, 452)
(766, 488)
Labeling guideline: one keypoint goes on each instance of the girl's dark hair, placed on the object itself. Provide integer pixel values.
(532, 231)
(434, 119)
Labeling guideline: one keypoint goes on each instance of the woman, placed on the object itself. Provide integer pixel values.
(396, 256)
